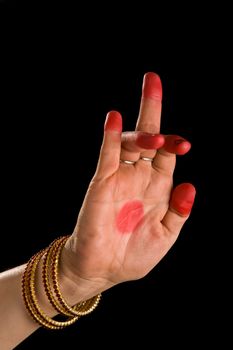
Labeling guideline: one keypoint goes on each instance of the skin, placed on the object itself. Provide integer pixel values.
(182, 199)
(152, 87)
(113, 123)
(176, 144)
(129, 217)
(102, 251)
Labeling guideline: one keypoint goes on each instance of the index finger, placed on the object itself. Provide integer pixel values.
(151, 104)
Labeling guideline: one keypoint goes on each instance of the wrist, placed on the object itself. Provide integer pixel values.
(43, 282)
(72, 291)
(75, 287)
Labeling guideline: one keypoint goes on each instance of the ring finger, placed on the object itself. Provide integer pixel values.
(135, 143)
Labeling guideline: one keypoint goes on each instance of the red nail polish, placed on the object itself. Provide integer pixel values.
(152, 86)
(178, 141)
(113, 122)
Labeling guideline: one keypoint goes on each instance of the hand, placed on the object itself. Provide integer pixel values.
(130, 217)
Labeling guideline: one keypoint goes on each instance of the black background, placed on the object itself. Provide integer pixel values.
(59, 78)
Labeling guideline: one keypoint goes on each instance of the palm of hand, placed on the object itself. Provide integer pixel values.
(114, 255)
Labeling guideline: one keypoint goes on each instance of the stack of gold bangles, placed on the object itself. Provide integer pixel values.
(51, 256)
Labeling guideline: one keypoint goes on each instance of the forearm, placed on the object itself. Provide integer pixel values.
(15, 322)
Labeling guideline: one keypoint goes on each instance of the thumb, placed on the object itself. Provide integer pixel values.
(181, 203)
(111, 147)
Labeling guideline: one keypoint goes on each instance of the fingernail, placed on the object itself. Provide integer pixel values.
(179, 141)
(113, 122)
(152, 86)
(176, 144)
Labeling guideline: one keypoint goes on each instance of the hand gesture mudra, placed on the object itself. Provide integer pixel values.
(131, 215)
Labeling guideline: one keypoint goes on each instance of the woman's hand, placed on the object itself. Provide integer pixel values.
(129, 219)
(131, 216)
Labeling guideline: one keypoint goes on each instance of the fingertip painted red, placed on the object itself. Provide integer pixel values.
(113, 122)
(182, 198)
(152, 86)
(150, 141)
(176, 144)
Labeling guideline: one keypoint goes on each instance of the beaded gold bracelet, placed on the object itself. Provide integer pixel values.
(45, 276)
(51, 257)
(31, 301)
(82, 308)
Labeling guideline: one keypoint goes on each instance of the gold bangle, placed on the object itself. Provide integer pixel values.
(82, 308)
(27, 301)
(51, 257)
(51, 251)
(45, 277)
(31, 301)
(26, 295)
(34, 300)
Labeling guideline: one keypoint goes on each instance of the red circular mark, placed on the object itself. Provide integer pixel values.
(113, 122)
(152, 86)
(129, 216)
(183, 198)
